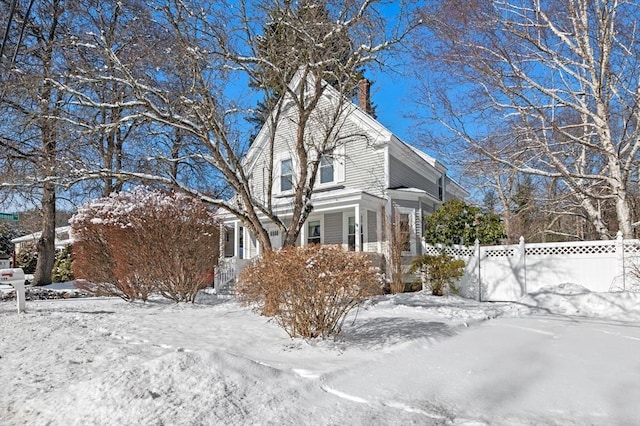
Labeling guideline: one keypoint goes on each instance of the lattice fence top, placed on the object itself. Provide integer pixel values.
(430, 250)
(451, 251)
(505, 252)
(632, 247)
(571, 249)
(606, 247)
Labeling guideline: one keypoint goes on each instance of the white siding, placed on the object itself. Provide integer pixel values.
(333, 228)
(402, 176)
(361, 167)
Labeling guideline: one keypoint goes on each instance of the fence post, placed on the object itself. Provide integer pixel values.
(620, 259)
(523, 262)
(477, 251)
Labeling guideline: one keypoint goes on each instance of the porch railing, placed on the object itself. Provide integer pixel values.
(227, 273)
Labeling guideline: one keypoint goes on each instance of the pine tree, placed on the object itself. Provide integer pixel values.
(326, 49)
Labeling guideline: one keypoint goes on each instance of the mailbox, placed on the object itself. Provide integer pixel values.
(15, 277)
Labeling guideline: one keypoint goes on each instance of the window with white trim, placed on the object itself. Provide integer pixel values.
(351, 233)
(405, 231)
(331, 169)
(286, 175)
(313, 235)
(326, 168)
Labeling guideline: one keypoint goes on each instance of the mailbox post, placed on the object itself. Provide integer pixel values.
(15, 277)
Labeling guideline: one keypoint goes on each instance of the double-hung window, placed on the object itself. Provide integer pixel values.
(286, 175)
(404, 232)
(352, 232)
(314, 232)
(326, 168)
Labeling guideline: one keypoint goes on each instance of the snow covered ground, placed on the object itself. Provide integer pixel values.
(562, 356)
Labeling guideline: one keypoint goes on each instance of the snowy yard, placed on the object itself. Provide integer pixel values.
(565, 356)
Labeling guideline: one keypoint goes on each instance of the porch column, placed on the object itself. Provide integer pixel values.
(223, 241)
(246, 243)
(236, 238)
(303, 233)
(379, 231)
(358, 229)
(365, 229)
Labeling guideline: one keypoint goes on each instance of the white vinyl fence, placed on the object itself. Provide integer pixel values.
(506, 273)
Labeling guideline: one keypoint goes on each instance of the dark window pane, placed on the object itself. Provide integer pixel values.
(314, 232)
(326, 169)
(286, 175)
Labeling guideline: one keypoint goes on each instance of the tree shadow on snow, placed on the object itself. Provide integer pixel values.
(379, 332)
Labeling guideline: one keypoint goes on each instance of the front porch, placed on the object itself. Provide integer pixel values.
(355, 220)
(351, 219)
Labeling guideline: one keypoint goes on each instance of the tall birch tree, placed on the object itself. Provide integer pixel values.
(557, 80)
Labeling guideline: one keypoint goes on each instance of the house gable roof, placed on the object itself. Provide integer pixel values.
(380, 135)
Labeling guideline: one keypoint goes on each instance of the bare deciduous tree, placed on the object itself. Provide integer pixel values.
(557, 78)
(32, 135)
(209, 46)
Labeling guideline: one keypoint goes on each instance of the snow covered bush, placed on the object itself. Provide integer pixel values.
(133, 244)
(439, 271)
(309, 290)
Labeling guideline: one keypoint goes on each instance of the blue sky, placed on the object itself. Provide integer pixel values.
(391, 94)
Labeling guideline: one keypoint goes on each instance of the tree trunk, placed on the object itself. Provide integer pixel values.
(46, 243)
(596, 218)
(50, 102)
(623, 213)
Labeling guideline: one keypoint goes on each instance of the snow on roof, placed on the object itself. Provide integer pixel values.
(426, 157)
(36, 235)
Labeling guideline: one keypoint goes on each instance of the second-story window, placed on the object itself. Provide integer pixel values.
(326, 168)
(286, 175)
(440, 189)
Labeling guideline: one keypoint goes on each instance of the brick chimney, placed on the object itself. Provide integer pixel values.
(364, 93)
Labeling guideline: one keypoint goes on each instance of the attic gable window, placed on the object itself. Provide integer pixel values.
(286, 175)
(326, 168)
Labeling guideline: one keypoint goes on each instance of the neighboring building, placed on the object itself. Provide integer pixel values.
(370, 173)
(5, 261)
(63, 239)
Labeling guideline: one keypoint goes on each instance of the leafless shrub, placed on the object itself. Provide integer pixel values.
(309, 290)
(134, 244)
(398, 233)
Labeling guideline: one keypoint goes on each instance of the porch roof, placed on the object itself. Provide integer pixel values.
(323, 201)
(410, 193)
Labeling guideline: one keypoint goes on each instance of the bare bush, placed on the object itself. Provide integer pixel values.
(93, 265)
(134, 244)
(398, 232)
(309, 290)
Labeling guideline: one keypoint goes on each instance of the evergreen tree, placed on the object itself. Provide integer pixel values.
(291, 27)
(457, 222)
(7, 233)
